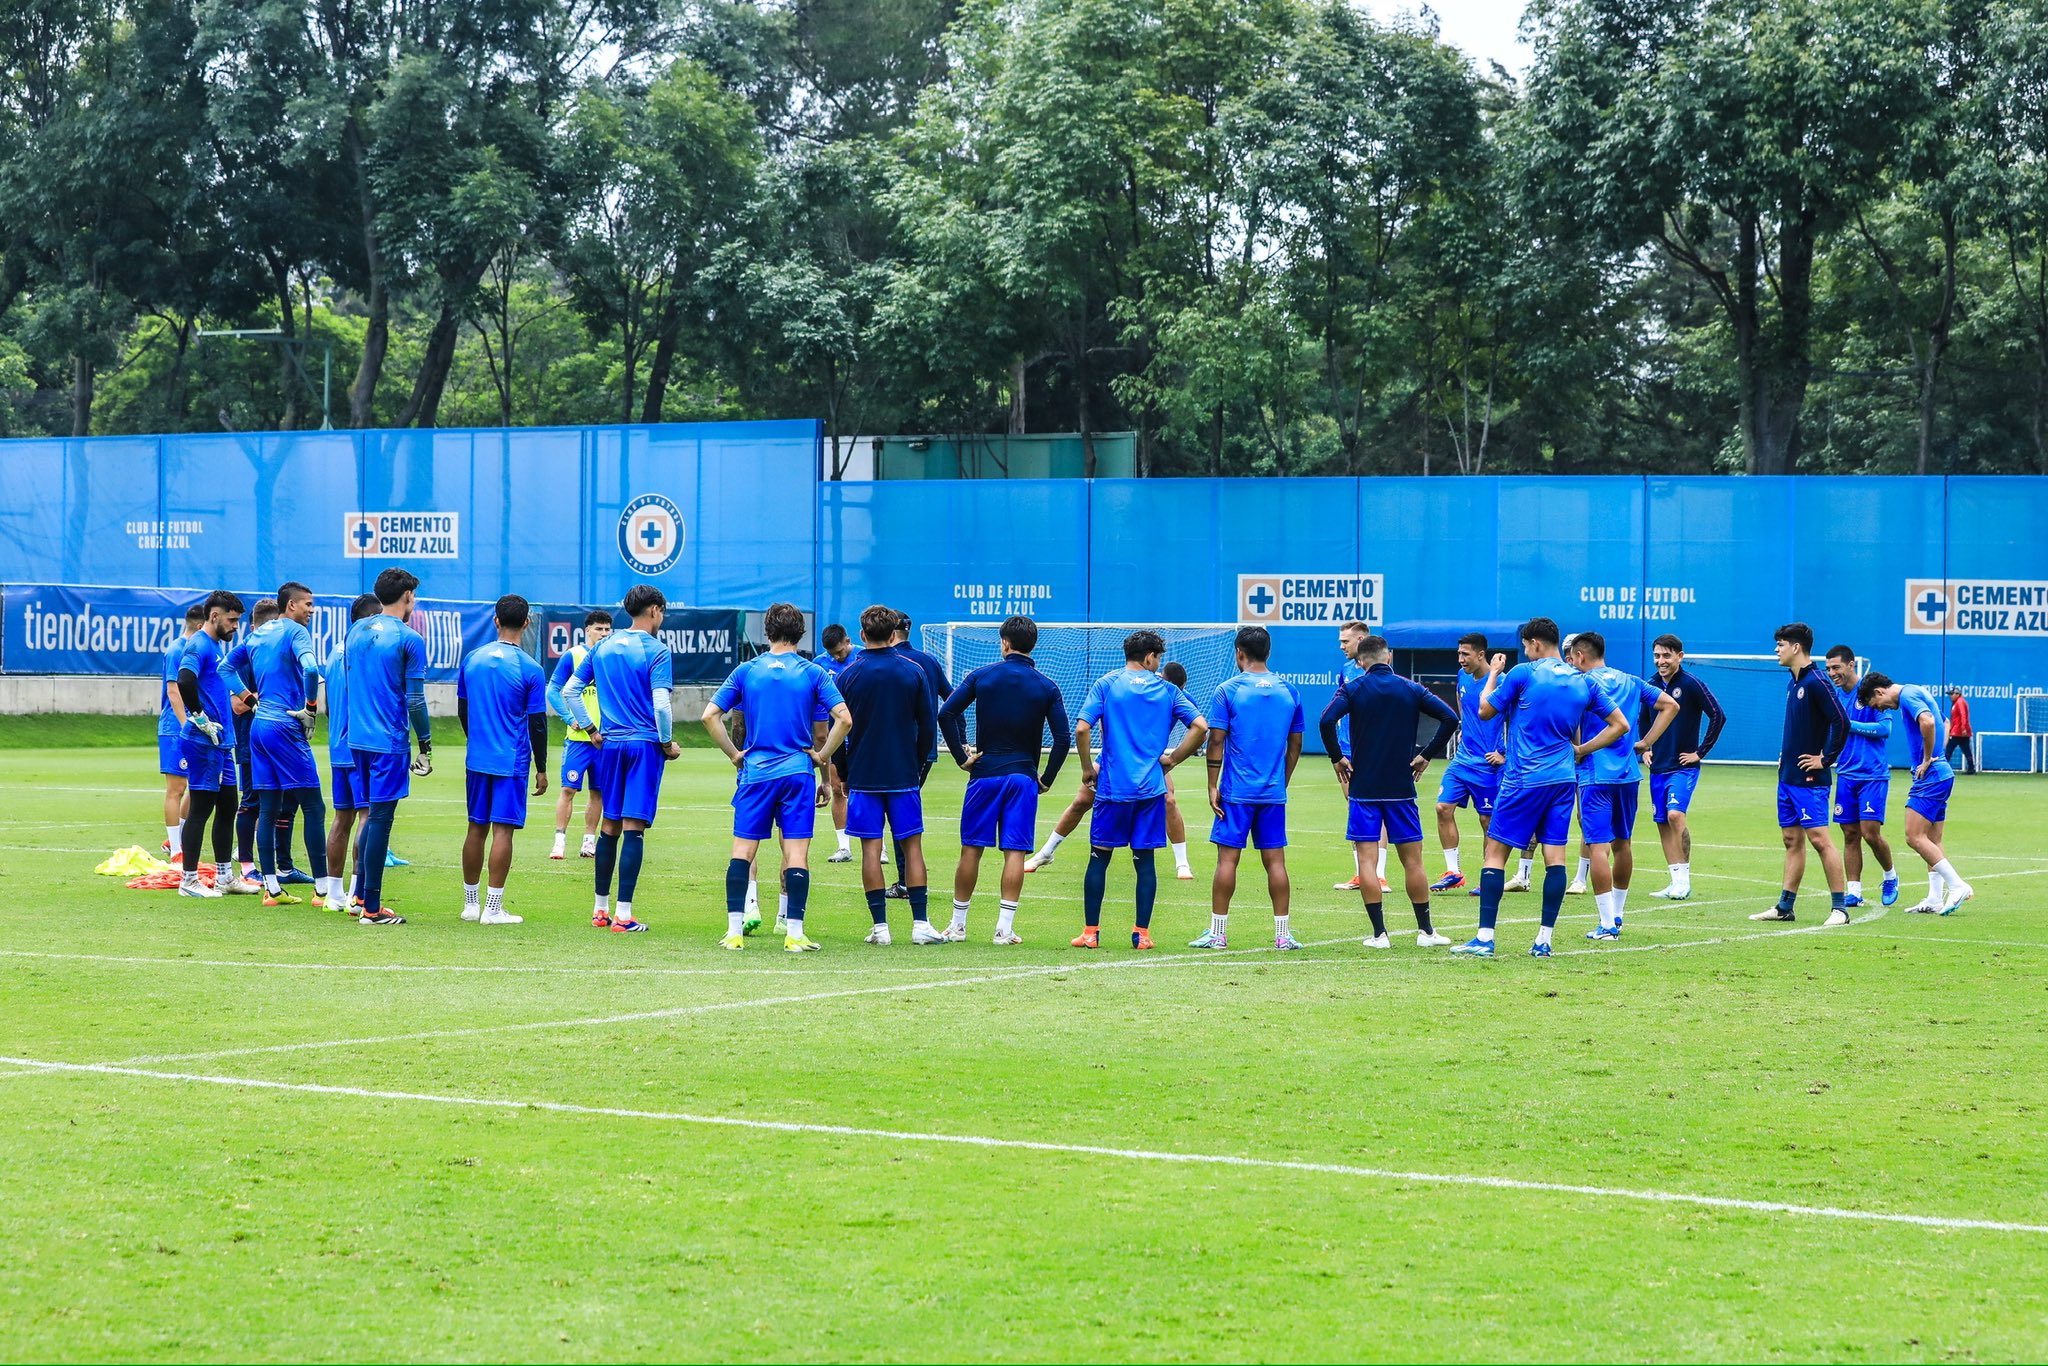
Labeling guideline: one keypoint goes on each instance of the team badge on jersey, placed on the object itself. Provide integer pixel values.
(650, 534)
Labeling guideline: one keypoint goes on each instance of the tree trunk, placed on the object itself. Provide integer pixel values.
(81, 396)
(1937, 339)
(1017, 376)
(362, 392)
(424, 407)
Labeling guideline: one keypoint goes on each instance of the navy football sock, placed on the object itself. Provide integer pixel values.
(1838, 900)
(1378, 915)
(1422, 917)
(878, 905)
(315, 826)
(919, 901)
(607, 859)
(1492, 881)
(1093, 884)
(737, 873)
(797, 882)
(1787, 899)
(1554, 880)
(376, 842)
(632, 847)
(266, 832)
(1148, 887)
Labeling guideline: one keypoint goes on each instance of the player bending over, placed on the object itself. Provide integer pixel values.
(1816, 728)
(1084, 801)
(1473, 775)
(1863, 782)
(170, 723)
(1254, 744)
(1927, 800)
(1543, 700)
(1676, 758)
(1015, 707)
(1610, 779)
(1137, 710)
(501, 702)
(386, 662)
(277, 659)
(579, 756)
(206, 749)
(894, 726)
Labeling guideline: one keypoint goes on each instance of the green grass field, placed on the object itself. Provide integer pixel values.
(446, 1141)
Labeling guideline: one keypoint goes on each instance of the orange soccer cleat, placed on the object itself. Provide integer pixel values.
(1090, 938)
(1141, 939)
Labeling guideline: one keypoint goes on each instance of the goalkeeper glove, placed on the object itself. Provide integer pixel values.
(423, 765)
(205, 726)
(304, 718)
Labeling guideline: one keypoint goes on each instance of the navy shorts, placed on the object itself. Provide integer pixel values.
(1607, 811)
(1541, 814)
(1672, 791)
(866, 812)
(207, 768)
(628, 774)
(1806, 807)
(496, 800)
(1462, 784)
(579, 761)
(1139, 824)
(1000, 813)
(1262, 825)
(1395, 822)
(1861, 799)
(789, 803)
(1929, 795)
(384, 777)
(283, 755)
(345, 780)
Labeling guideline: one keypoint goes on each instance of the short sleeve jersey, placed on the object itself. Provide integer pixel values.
(338, 747)
(204, 656)
(571, 659)
(781, 694)
(174, 655)
(1617, 762)
(384, 658)
(628, 667)
(502, 685)
(1134, 711)
(1258, 713)
(1914, 703)
(1542, 701)
(1476, 738)
(275, 653)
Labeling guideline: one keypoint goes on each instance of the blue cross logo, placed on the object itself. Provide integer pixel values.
(651, 534)
(1261, 600)
(1931, 606)
(363, 535)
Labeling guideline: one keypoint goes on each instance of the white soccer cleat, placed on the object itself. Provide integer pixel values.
(472, 913)
(923, 932)
(1517, 883)
(1578, 888)
(1677, 891)
(560, 849)
(1007, 937)
(1350, 886)
(1429, 939)
(840, 856)
(1379, 941)
(238, 886)
(491, 917)
(195, 887)
(1034, 863)
(1926, 906)
(878, 935)
(1958, 893)
(1837, 918)
(954, 934)
(588, 849)
(1184, 873)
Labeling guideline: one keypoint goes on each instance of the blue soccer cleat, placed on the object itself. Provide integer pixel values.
(1605, 932)
(1449, 882)
(392, 860)
(1539, 950)
(292, 877)
(1891, 889)
(1210, 940)
(1852, 900)
(1475, 948)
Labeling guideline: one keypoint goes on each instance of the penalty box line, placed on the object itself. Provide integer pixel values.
(1345, 1169)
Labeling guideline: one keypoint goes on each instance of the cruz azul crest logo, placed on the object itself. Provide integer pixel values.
(650, 534)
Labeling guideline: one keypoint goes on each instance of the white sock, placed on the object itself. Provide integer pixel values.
(1681, 875)
(1451, 861)
(603, 906)
(1279, 924)
(960, 909)
(1949, 873)
(735, 922)
(223, 872)
(1006, 916)
(1543, 934)
(1935, 882)
(1381, 870)
(753, 897)
(624, 912)
(844, 846)
(189, 878)
(782, 904)
(469, 896)
(494, 900)
(1585, 869)
(1602, 901)
(1522, 871)
(1889, 874)
(561, 839)
(1855, 887)
(1180, 855)
(272, 885)
(1619, 898)
(1485, 935)
(1052, 842)
(1219, 924)
(174, 835)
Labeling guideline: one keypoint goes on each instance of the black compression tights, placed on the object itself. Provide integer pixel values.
(221, 806)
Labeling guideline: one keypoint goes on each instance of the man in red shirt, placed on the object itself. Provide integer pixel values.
(1959, 731)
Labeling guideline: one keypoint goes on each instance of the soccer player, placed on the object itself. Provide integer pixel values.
(277, 658)
(1348, 636)
(1610, 779)
(386, 661)
(1473, 774)
(780, 693)
(942, 688)
(835, 656)
(1676, 758)
(1863, 780)
(1816, 727)
(1015, 706)
(345, 784)
(1137, 710)
(242, 699)
(1385, 711)
(1084, 802)
(1255, 731)
(1927, 800)
(1543, 700)
(578, 755)
(206, 750)
(170, 721)
(634, 675)
(501, 703)
(894, 726)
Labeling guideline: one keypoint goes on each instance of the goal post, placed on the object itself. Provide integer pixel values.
(1751, 690)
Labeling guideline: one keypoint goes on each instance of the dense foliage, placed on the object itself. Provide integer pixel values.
(1271, 236)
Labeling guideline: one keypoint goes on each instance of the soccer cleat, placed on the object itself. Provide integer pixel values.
(1036, 861)
(924, 932)
(1927, 907)
(1837, 918)
(1004, 937)
(628, 926)
(1090, 938)
(1677, 891)
(752, 923)
(392, 860)
(954, 934)
(782, 923)
(897, 892)
(383, 917)
(1141, 940)
(1578, 887)
(1517, 883)
(282, 899)
(1286, 942)
(1350, 886)
(292, 877)
(1184, 873)
(1378, 941)
(878, 935)
(1852, 900)
(1449, 882)
(1475, 948)
(196, 888)
(1430, 939)
(840, 856)
(1210, 940)
(500, 917)
(1539, 950)
(1891, 889)
(733, 941)
(238, 886)
(558, 853)
(1776, 913)
(1604, 932)
(472, 913)
(799, 943)
(600, 921)
(588, 849)
(1958, 893)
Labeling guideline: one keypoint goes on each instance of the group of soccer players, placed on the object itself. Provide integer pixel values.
(1560, 734)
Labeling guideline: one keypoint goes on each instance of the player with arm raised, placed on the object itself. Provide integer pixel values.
(894, 727)
(206, 748)
(170, 720)
(579, 756)
(1863, 782)
(1136, 709)
(1676, 758)
(1385, 711)
(1611, 778)
(1816, 728)
(501, 702)
(1473, 775)
(345, 784)
(1543, 700)
(278, 658)
(1015, 707)
(1255, 731)
(387, 689)
(1927, 799)
(634, 676)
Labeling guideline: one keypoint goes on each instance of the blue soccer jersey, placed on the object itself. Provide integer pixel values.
(205, 657)
(571, 658)
(502, 685)
(1915, 703)
(276, 657)
(387, 667)
(1863, 757)
(781, 695)
(1136, 710)
(339, 752)
(167, 719)
(628, 667)
(1616, 762)
(1258, 713)
(1352, 669)
(1476, 738)
(1543, 701)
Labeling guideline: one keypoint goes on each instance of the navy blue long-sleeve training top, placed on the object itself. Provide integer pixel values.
(894, 729)
(1384, 708)
(1014, 705)
(1814, 724)
(935, 675)
(1695, 699)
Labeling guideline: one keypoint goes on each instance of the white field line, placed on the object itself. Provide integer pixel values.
(984, 1141)
(1957, 939)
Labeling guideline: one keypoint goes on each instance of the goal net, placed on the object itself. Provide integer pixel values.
(1751, 689)
(1075, 655)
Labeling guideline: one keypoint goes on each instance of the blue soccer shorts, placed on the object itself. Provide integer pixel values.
(207, 767)
(1607, 811)
(1672, 791)
(1861, 799)
(1463, 786)
(1541, 814)
(1806, 807)
(1395, 822)
(384, 777)
(170, 754)
(1262, 825)
(789, 803)
(1139, 824)
(345, 781)
(866, 813)
(282, 755)
(495, 799)
(579, 763)
(1929, 795)
(628, 774)
(1000, 813)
